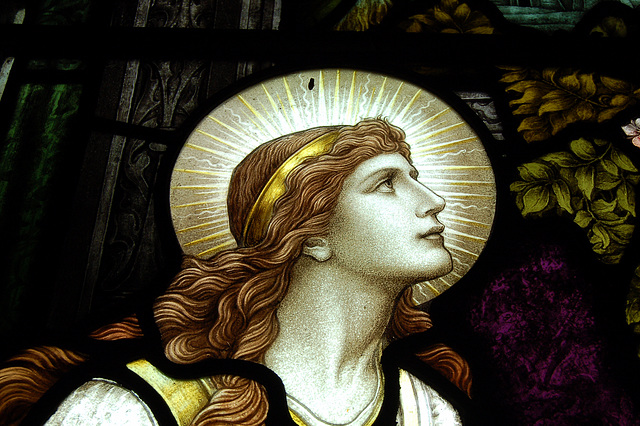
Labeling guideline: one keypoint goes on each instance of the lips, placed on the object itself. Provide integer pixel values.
(433, 233)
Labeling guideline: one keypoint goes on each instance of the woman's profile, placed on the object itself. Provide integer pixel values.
(333, 229)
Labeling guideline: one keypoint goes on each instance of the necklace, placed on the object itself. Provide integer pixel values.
(302, 416)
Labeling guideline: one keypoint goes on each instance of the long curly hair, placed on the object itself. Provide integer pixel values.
(226, 306)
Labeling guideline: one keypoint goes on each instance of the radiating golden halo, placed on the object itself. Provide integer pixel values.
(445, 150)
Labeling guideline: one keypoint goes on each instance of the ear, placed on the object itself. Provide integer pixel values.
(318, 248)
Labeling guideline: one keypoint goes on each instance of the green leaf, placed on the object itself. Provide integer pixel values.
(519, 186)
(622, 161)
(583, 218)
(607, 181)
(563, 195)
(535, 200)
(535, 171)
(611, 218)
(585, 176)
(633, 300)
(610, 167)
(601, 207)
(583, 149)
(622, 233)
(562, 159)
(599, 237)
(627, 198)
(611, 255)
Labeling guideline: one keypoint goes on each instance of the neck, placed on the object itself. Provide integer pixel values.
(327, 352)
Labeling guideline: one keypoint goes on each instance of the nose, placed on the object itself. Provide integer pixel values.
(430, 202)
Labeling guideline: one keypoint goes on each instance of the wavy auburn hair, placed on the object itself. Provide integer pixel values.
(225, 307)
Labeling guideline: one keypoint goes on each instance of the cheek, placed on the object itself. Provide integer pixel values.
(366, 239)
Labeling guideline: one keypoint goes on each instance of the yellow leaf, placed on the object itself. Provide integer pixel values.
(532, 123)
(531, 95)
(558, 121)
(443, 17)
(616, 85)
(556, 101)
(570, 82)
(481, 30)
(621, 100)
(587, 85)
(477, 19)
(608, 114)
(549, 73)
(536, 135)
(449, 5)
(512, 67)
(414, 27)
(420, 18)
(462, 12)
(513, 77)
(522, 86)
(585, 111)
(527, 109)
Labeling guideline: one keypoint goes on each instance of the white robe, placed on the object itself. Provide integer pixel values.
(101, 402)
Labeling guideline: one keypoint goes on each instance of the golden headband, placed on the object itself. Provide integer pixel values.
(260, 215)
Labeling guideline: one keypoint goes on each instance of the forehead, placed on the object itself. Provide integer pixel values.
(379, 163)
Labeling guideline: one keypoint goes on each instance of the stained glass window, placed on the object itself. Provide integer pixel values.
(98, 99)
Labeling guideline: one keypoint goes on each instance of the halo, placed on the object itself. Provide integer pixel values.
(445, 149)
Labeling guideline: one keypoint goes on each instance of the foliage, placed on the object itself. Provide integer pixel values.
(610, 26)
(449, 17)
(554, 98)
(633, 302)
(364, 14)
(63, 12)
(593, 183)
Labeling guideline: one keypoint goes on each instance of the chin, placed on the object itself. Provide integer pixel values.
(439, 265)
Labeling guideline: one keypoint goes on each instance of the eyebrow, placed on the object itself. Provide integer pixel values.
(389, 171)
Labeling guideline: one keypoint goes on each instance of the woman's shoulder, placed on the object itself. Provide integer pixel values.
(421, 404)
(102, 402)
(138, 394)
(185, 398)
(425, 395)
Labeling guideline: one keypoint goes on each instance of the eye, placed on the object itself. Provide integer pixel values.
(386, 185)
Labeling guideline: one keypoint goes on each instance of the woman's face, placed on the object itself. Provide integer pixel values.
(385, 225)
